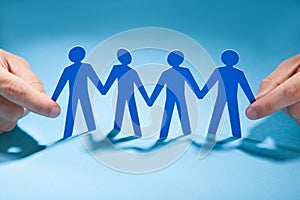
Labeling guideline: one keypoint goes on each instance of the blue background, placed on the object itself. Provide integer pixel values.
(264, 33)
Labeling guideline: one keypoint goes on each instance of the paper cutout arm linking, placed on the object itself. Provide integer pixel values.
(158, 88)
(193, 84)
(103, 89)
(94, 78)
(142, 90)
(212, 80)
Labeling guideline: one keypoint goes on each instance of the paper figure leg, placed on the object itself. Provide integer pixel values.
(165, 126)
(71, 113)
(234, 119)
(217, 114)
(88, 114)
(184, 118)
(134, 117)
(119, 114)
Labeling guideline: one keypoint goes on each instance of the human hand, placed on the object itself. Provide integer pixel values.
(20, 92)
(280, 90)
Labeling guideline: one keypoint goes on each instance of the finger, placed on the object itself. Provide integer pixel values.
(20, 92)
(21, 68)
(294, 111)
(286, 94)
(285, 70)
(6, 126)
(266, 86)
(10, 111)
(285, 111)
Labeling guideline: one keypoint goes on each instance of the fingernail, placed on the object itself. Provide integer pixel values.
(260, 94)
(263, 91)
(252, 114)
(55, 111)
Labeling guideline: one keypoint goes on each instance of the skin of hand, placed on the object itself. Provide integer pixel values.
(20, 92)
(279, 90)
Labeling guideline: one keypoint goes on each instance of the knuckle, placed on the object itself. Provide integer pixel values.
(264, 82)
(23, 61)
(37, 84)
(19, 60)
(284, 62)
(269, 81)
(17, 63)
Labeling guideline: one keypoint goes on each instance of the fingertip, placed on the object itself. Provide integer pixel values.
(251, 113)
(55, 111)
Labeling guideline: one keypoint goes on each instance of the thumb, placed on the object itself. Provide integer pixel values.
(286, 94)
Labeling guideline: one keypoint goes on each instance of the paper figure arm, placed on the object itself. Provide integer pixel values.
(142, 90)
(212, 80)
(193, 84)
(246, 88)
(159, 86)
(110, 80)
(94, 78)
(60, 85)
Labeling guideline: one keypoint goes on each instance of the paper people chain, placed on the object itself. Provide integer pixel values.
(174, 79)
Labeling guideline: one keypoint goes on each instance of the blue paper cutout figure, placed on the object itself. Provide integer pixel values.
(175, 79)
(126, 77)
(228, 78)
(77, 74)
